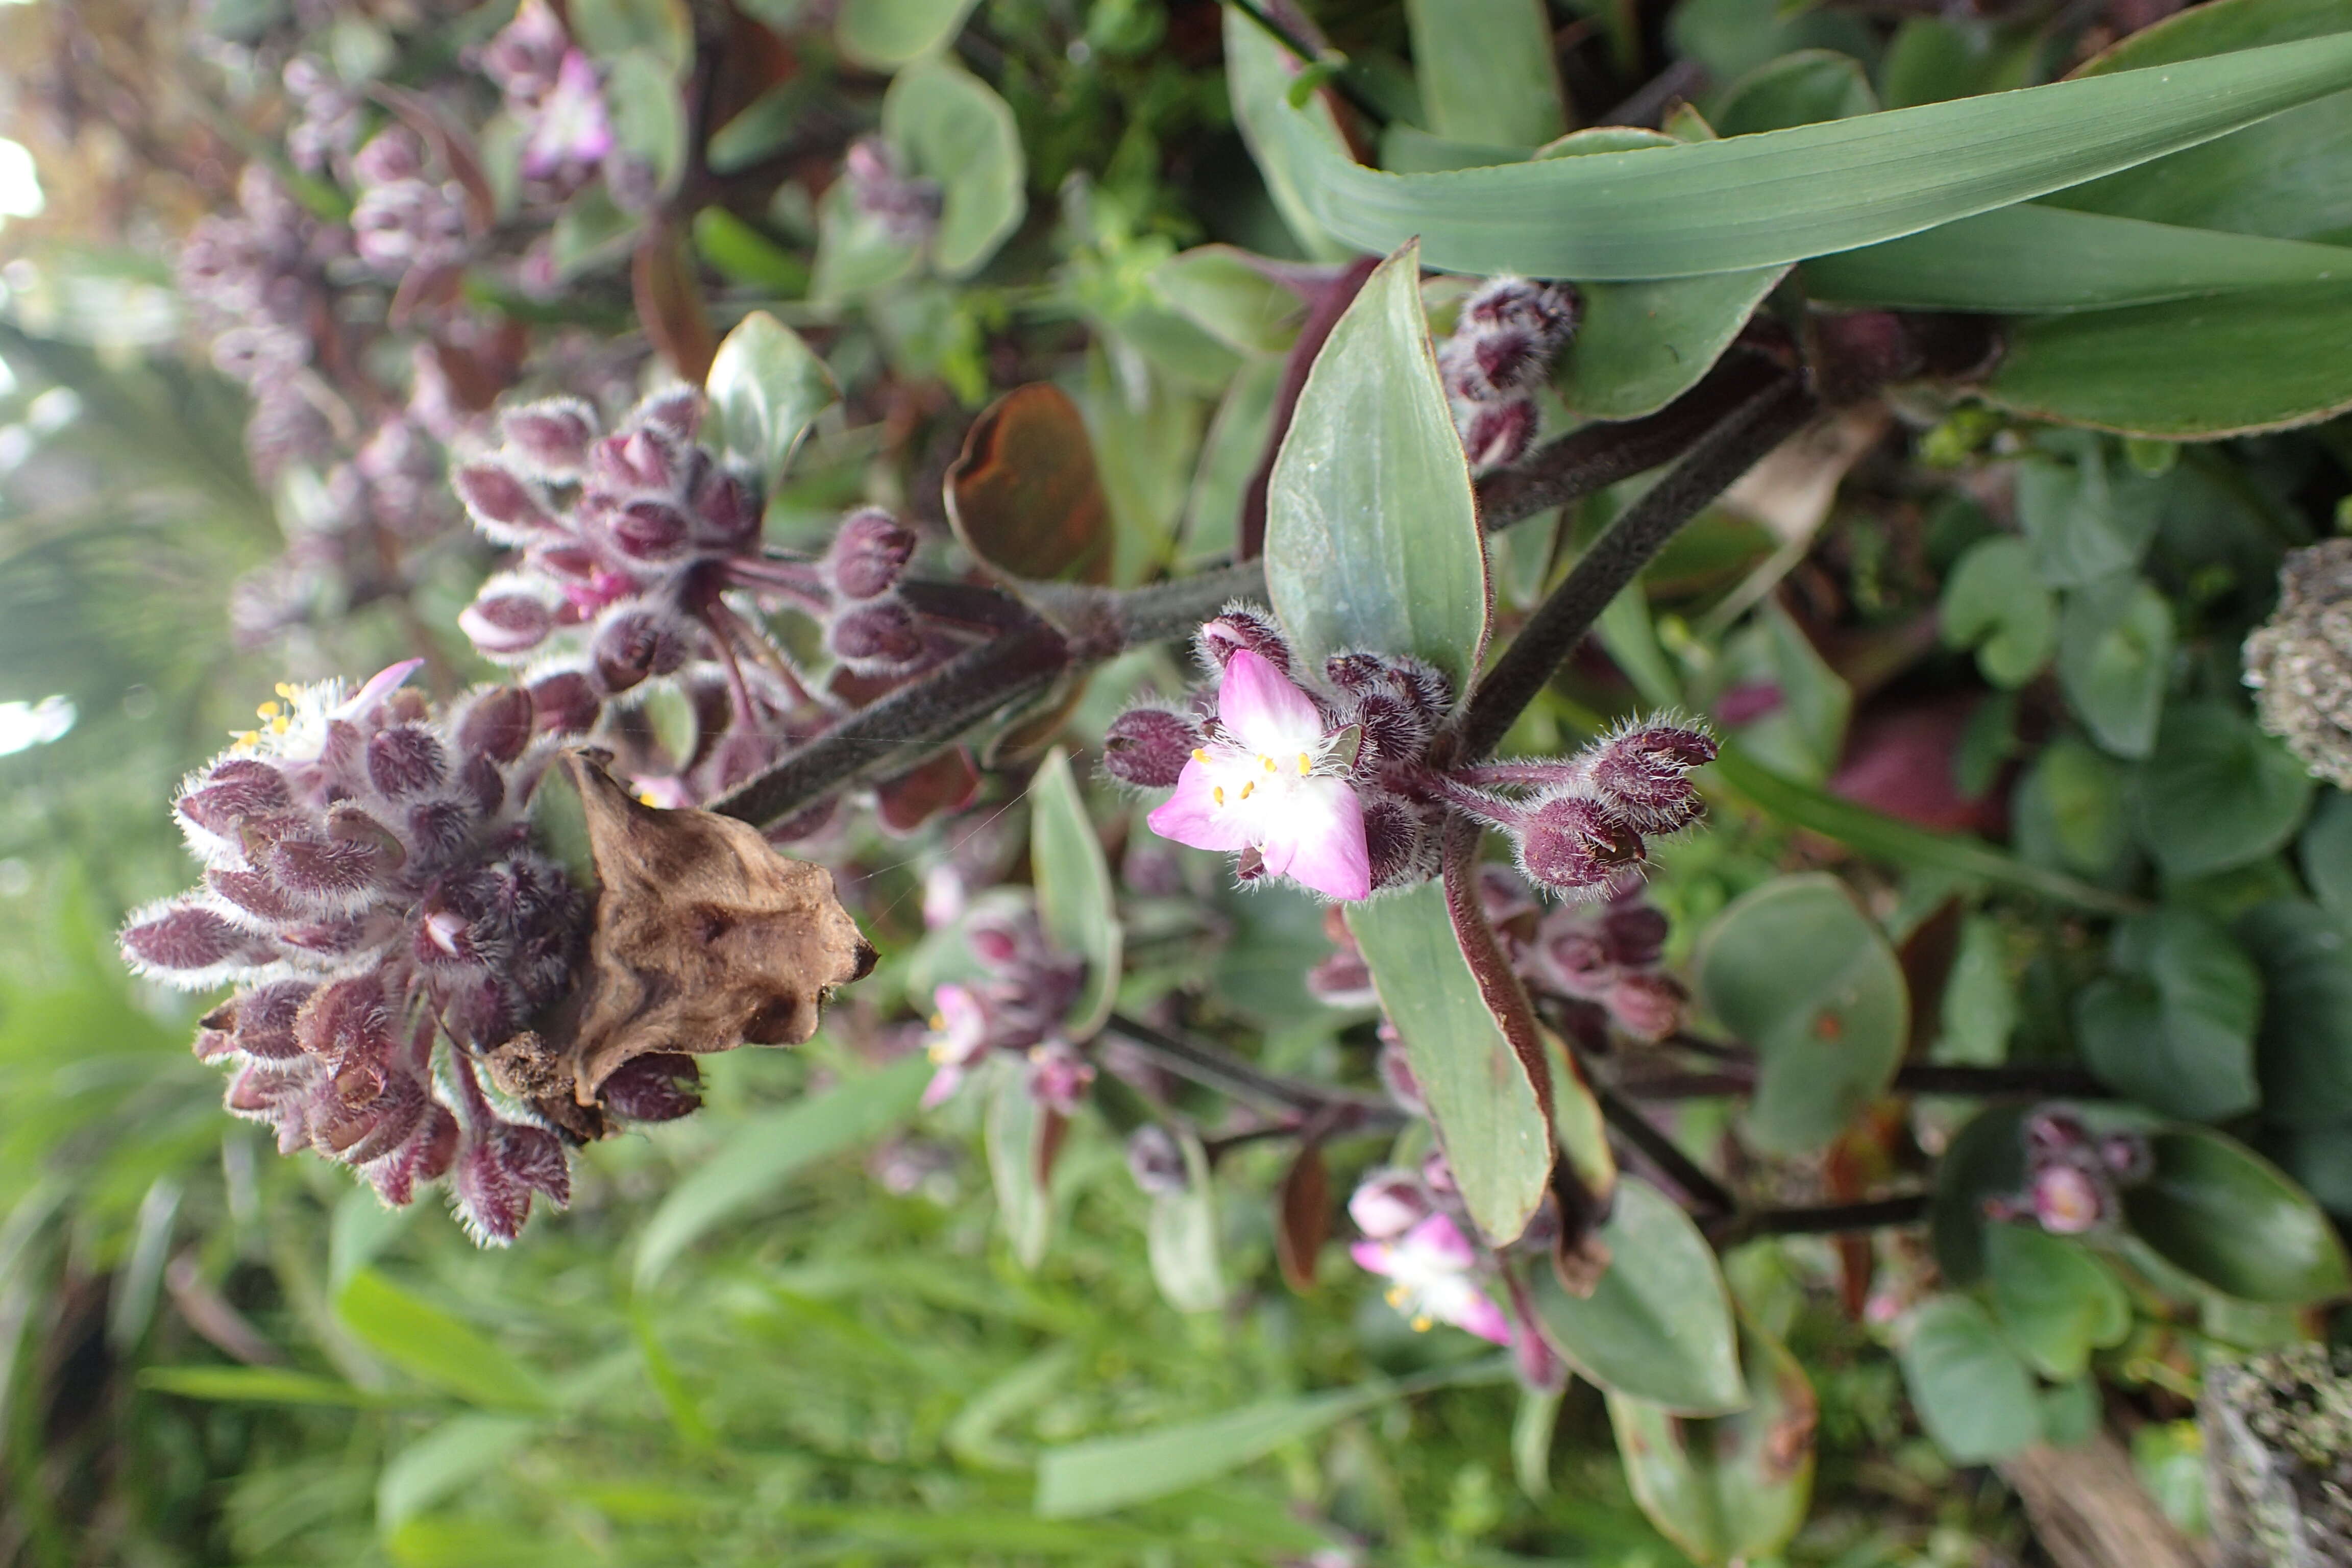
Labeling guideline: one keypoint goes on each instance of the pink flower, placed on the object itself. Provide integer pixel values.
(1271, 781)
(1432, 1274)
(959, 1037)
(573, 131)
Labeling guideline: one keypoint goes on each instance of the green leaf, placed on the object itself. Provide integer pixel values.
(1931, 59)
(609, 29)
(1181, 1237)
(2033, 258)
(765, 127)
(2114, 656)
(1259, 73)
(648, 116)
(2072, 809)
(2084, 527)
(1075, 902)
(2175, 1029)
(2217, 1211)
(1017, 1129)
(953, 128)
(2305, 1048)
(1488, 1119)
(1973, 1396)
(1873, 833)
(2260, 359)
(1759, 201)
(746, 256)
(1995, 604)
(1799, 972)
(2056, 1300)
(1217, 288)
(2218, 791)
(462, 1451)
(1373, 536)
(2326, 853)
(767, 388)
(1985, 1159)
(259, 1385)
(1658, 1325)
(1803, 734)
(856, 256)
(1229, 458)
(888, 33)
(1979, 1010)
(1104, 1473)
(434, 1347)
(1801, 89)
(1486, 69)
(1532, 1426)
(768, 1150)
(1734, 1488)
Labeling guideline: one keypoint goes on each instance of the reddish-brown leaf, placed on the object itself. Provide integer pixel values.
(669, 303)
(1024, 497)
(1303, 1218)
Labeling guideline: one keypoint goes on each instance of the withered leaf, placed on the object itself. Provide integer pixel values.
(1303, 1218)
(705, 938)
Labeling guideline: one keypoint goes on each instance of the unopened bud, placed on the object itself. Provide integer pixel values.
(867, 554)
(2128, 1158)
(1388, 1203)
(634, 645)
(1497, 434)
(1647, 1006)
(406, 759)
(551, 435)
(495, 724)
(1148, 747)
(1155, 1160)
(1571, 844)
(726, 513)
(659, 1087)
(2067, 1199)
(1636, 934)
(1640, 774)
(649, 531)
(876, 638)
(565, 704)
(1240, 628)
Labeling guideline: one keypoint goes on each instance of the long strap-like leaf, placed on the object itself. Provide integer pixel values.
(1759, 201)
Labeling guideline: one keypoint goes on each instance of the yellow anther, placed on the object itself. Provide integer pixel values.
(1220, 792)
(289, 690)
(1395, 1296)
(1200, 756)
(1247, 787)
(249, 737)
(1304, 765)
(268, 711)
(1421, 1324)
(280, 725)
(939, 1021)
(937, 1051)
(1269, 763)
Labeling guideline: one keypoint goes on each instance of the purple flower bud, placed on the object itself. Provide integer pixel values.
(880, 637)
(1647, 1006)
(1639, 774)
(661, 1087)
(348, 1017)
(325, 872)
(235, 791)
(390, 154)
(1148, 747)
(2127, 1157)
(1342, 980)
(1396, 1073)
(2067, 1199)
(254, 893)
(675, 411)
(1356, 673)
(1497, 434)
(423, 1157)
(188, 941)
(635, 461)
(1636, 934)
(406, 759)
(442, 828)
(506, 626)
(649, 531)
(1389, 1203)
(1399, 841)
(1575, 959)
(264, 1018)
(551, 437)
(1570, 842)
(1156, 1162)
(2055, 1134)
(1240, 628)
(1548, 311)
(1058, 1075)
(726, 513)
(495, 724)
(565, 704)
(867, 554)
(636, 643)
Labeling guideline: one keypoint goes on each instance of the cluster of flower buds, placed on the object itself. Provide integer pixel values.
(1500, 352)
(2073, 1176)
(1412, 1238)
(405, 220)
(1333, 787)
(553, 93)
(1604, 960)
(905, 206)
(1028, 988)
(371, 891)
(327, 115)
(2300, 660)
(630, 545)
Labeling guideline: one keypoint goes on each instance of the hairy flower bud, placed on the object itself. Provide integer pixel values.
(565, 704)
(636, 643)
(1388, 1203)
(1639, 774)
(1497, 434)
(659, 1087)
(1573, 844)
(551, 437)
(867, 554)
(2067, 1199)
(495, 724)
(1239, 628)
(1148, 747)
(880, 637)
(1647, 1006)
(406, 759)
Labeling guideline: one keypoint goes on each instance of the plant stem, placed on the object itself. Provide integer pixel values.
(1738, 1076)
(1831, 1219)
(1661, 1151)
(1752, 428)
(1221, 1070)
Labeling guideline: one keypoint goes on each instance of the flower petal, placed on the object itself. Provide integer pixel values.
(1322, 844)
(1483, 1318)
(1441, 1241)
(1371, 1256)
(1193, 815)
(1260, 706)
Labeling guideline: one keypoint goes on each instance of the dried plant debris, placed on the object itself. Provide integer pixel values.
(2300, 660)
(2278, 1436)
(704, 938)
